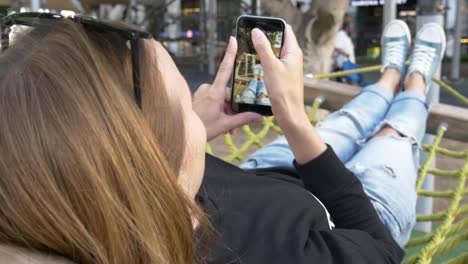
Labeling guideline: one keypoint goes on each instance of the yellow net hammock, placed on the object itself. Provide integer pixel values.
(448, 240)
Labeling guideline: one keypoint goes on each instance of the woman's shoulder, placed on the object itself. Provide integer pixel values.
(228, 176)
(254, 212)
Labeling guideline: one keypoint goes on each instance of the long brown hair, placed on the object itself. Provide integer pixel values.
(83, 174)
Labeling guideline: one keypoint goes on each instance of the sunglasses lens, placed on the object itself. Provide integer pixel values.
(47, 19)
(124, 29)
(37, 21)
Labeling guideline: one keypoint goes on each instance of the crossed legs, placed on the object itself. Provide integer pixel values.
(378, 133)
(377, 136)
(387, 163)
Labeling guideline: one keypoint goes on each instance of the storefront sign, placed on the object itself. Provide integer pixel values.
(374, 2)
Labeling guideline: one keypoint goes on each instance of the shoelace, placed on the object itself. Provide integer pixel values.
(395, 53)
(422, 59)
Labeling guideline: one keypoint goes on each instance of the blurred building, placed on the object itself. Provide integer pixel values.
(368, 22)
(367, 15)
(464, 49)
(192, 29)
(197, 31)
(450, 27)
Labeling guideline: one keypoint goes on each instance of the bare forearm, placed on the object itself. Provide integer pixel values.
(303, 139)
(284, 80)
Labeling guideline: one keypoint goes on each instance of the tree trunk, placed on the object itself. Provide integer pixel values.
(315, 29)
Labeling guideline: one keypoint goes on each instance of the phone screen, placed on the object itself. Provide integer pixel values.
(249, 91)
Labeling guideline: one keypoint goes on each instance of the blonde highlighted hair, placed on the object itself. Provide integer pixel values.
(83, 172)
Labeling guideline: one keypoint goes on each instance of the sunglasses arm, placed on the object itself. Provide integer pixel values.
(5, 35)
(135, 49)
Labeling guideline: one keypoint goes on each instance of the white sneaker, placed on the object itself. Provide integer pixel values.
(248, 96)
(429, 49)
(395, 42)
(263, 101)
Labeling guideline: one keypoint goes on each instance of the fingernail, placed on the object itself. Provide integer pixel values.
(256, 33)
(231, 39)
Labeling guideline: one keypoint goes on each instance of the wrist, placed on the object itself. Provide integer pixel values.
(302, 137)
(293, 120)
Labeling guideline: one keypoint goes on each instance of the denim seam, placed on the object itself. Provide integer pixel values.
(376, 88)
(349, 114)
(387, 100)
(401, 99)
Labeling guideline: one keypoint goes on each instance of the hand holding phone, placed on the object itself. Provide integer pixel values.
(284, 77)
(212, 103)
(284, 80)
(249, 93)
(282, 74)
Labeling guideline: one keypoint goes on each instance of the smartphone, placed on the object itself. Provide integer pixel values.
(249, 93)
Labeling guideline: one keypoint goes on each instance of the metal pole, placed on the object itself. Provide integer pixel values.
(446, 17)
(428, 13)
(173, 29)
(254, 7)
(204, 30)
(390, 9)
(212, 36)
(455, 74)
(35, 5)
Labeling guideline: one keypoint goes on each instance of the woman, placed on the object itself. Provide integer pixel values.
(114, 197)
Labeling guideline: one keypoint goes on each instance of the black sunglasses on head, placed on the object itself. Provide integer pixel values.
(33, 19)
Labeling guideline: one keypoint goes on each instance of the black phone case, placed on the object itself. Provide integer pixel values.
(242, 107)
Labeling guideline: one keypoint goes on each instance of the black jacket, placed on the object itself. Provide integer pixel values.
(273, 216)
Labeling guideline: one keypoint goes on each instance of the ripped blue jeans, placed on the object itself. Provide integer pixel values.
(386, 166)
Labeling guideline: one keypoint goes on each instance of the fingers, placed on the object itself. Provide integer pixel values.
(291, 46)
(263, 47)
(227, 96)
(238, 120)
(227, 65)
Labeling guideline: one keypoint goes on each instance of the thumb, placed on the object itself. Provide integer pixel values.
(238, 120)
(263, 47)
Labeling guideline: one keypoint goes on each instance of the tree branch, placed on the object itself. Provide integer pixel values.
(328, 19)
(283, 8)
(316, 29)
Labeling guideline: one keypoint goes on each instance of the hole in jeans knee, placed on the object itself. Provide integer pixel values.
(388, 130)
(401, 132)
